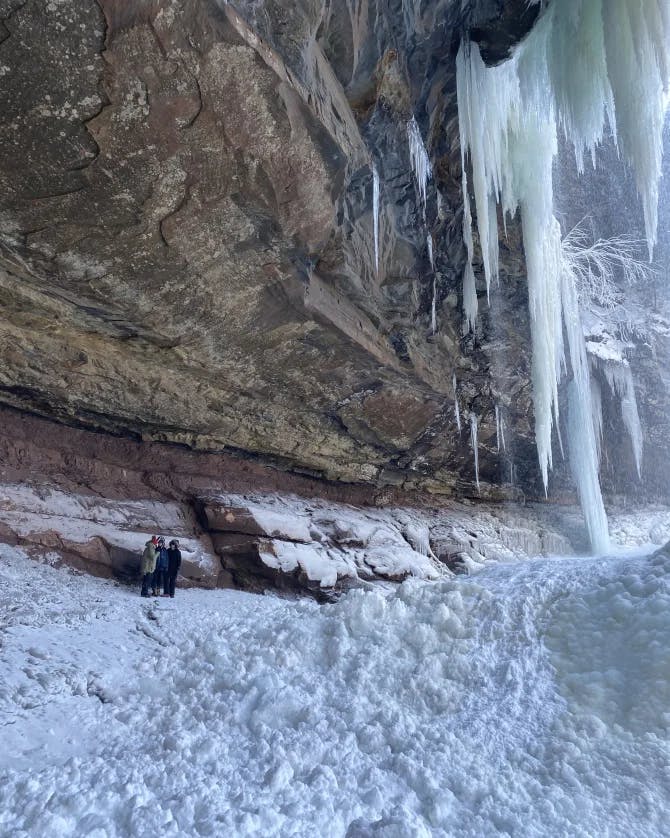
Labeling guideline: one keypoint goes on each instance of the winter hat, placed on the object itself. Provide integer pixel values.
(174, 543)
(154, 539)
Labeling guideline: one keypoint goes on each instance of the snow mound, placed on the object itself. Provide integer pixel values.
(531, 701)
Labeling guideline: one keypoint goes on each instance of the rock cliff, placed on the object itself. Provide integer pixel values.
(186, 234)
(187, 240)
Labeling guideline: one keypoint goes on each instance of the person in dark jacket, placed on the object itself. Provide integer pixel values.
(160, 574)
(174, 563)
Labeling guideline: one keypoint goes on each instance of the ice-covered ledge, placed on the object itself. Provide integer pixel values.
(281, 541)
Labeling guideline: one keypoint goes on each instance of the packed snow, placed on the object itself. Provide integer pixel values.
(529, 700)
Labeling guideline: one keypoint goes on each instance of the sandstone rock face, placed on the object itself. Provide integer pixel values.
(186, 235)
(187, 247)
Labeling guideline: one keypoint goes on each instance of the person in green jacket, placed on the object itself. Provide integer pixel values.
(148, 566)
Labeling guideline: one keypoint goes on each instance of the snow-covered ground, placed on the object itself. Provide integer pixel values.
(532, 699)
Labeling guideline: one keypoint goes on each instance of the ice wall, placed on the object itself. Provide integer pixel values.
(587, 67)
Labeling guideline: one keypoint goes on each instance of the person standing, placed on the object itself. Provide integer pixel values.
(174, 563)
(148, 565)
(160, 573)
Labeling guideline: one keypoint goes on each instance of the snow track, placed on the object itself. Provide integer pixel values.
(529, 701)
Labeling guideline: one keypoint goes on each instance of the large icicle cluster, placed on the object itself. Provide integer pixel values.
(420, 160)
(589, 66)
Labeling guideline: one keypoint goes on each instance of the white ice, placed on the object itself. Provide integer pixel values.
(433, 307)
(620, 379)
(585, 68)
(419, 160)
(474, 443)
(375, 214)
(457, 410)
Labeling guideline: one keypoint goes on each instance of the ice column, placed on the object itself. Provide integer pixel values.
(583, 445)
(620, 380)
(433, 308)
(597, 415)
(457, 411)
(500, 430)
(375, 213)
(475, 445)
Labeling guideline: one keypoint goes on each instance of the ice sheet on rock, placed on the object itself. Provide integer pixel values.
(417, 535)
(124, 524)
(276, 524)
(318, 564)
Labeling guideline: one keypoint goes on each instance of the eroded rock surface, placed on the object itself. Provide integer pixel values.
(186, 235)
(187, 250)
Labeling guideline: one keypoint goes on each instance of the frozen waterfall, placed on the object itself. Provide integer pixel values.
(583, 68)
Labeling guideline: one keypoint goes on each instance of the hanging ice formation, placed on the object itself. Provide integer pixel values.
(597, 415)
(620, 380)
(587, 65)
(457, 411)
(500, 430)
(375, 213)
(433, 307)
(419, 159)
(475, 445)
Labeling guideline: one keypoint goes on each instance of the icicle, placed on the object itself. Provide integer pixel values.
(457, 411)
(433, 308)
(418, 536)
(470, 304)
(375, 213)
(475, 446)
(441, 211)
(584, 465)
(500, 430)
(620, 380)
(419, 159)
(582, 443)
(582, 66)
(597, 416)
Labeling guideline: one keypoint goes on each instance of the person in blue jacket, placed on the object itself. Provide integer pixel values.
(160, 573)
